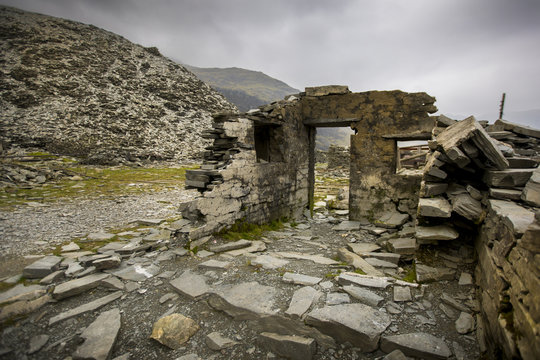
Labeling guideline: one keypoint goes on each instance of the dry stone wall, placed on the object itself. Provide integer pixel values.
(487, 190)
(338, 157)
(240, 181)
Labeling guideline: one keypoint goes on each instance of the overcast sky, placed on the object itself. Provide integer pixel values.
(466, 53)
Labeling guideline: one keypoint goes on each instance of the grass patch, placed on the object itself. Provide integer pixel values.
(97, 182)
(411, 274)
(358, 271)
(5, 286)
(248, 231)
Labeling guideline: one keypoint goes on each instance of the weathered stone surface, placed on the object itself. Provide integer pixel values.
(327, 90)
(447, 299)
(191, 285)
(434, 207)
(42, 267)
(470, 129)
(70, 247)
(77, 286)
(23, 307)
(107, 263)
(240, 244)
(36, 343)
(337, 298)
(174, 330)
(362, 248)
(91, 306)
(302, 300)
(419, 345)
(100, 336)
(438, 232)
(519, 129)
(349, 278)
(505, 194)
(466, 206)
(348, 226)
(244, 301)
(465, 279)
(21, 292)
(531, 193)
(358, 324)
(363, 295)
(215, 264)
(358, 262)
(388, 257)
(403, 246)
(290, 347)
(432, 189)
(514, 216)
(101, 236)
(301, 279)
(318, 259)
(381, 263)
(395, 355)
(135, 272)
(268, 262)
(402, 293)
(216, 341)
(392, 220)
(508, 177)
(465, 323)
(256, 246)
(426, 273)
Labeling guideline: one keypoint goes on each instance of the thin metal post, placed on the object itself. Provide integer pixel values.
(502, 106)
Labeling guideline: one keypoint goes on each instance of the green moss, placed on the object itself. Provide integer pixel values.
(5, 286)
(358, 271)
(249, 231)
(411, 274)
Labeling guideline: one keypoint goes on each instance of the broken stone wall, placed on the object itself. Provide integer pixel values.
(479, 188)
(256, 171)
(380, 118)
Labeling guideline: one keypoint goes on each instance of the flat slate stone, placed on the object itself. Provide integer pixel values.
(300, 279)
(402, 293)
(268, 262)
(418, 345)
(42, 267)
(302, 300)
(465, 323)
(77, 286)
(348, 226)
(403, 246)
(363, 295)
(318, 259)
(359, 324)
(217, 342)
(434, 207)
(174, 330)
(240, 244)
(256, 246)
(426, 274)
(505, 194)
(101, 236)
(508, 177)
(21, 292)
(381, 263)
(350, 278)
(363, 248)
(244, 301)
(288, 346)
(531, 193)
(91, 306)
(388, 257)
(516, 217)
(36, 343)
(215, 264)
(192, 285)
(432, 189)
(392, 220)
(438, 232)
(100, 336)
(337, 299)
(358, 262)
(135, 272)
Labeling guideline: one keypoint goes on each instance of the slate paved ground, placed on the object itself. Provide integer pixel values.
(247, 304)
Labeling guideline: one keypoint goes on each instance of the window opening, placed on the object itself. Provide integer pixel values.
(268, 143)
(411, 155)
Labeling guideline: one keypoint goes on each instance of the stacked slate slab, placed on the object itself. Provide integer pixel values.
(466, 166)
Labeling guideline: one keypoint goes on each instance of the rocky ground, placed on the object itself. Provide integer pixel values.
(297, 280)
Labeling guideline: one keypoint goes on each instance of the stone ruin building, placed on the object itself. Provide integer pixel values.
(478, 183)
(338, 157)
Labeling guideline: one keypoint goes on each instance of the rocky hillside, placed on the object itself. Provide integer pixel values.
(247, 89)
(78, 90)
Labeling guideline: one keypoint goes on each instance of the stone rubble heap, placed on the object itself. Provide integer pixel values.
(78, 90)
(484, 185)
(338, 157)
(292, 300)
(466, 167)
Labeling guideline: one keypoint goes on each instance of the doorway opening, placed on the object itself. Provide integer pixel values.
(332, 170)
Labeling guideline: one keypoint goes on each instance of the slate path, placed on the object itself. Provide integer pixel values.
(287, 297)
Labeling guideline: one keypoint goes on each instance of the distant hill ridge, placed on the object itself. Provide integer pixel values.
(245, 88)
(75, 89)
